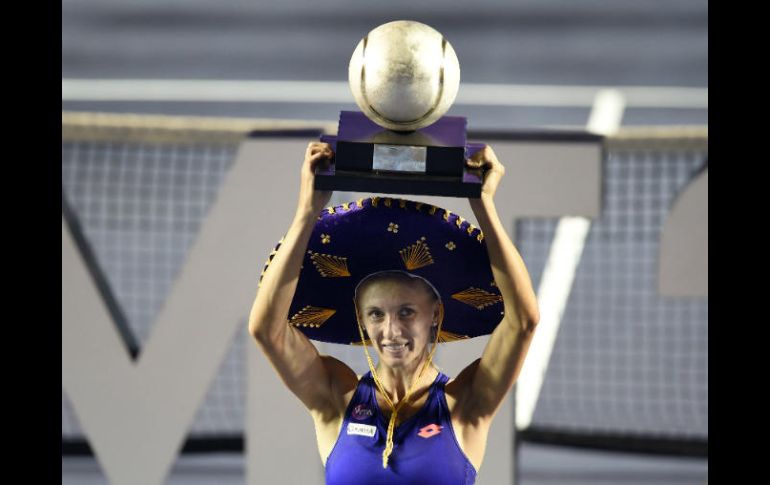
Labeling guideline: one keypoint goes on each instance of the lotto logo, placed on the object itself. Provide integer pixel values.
(429, 431)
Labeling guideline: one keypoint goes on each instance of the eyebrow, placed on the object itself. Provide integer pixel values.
(377, 308)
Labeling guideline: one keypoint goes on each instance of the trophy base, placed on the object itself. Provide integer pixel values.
(467, 184)
(428, 161)
(395, 183)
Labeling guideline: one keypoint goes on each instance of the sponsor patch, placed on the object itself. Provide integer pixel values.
(429, 431)
(361, 411)
(361, 429)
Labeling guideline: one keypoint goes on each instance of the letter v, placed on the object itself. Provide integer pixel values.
(136, 414)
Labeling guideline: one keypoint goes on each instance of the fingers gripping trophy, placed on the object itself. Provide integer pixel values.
(404, 76)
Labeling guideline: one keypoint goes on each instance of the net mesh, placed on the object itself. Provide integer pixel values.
(140, 206)
(626, 360)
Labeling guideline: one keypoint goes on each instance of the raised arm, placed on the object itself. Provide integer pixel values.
(309, 375)
(491, 377)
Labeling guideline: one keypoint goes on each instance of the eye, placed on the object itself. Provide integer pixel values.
(405, 312)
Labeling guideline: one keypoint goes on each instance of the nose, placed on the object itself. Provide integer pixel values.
(392, 326)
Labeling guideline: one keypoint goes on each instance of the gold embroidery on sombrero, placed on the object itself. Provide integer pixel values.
(360, 202)
(387, 201)
(416, 255)
(418, 205)
(480, 236)
(477, 298)
(432, 210)
(444, 336)
(346, 206)
(393, 227)
(311, 316)
(325, 239)
(450, 246)
(259, 284)
(269, 260)
(330, 266)
(459, 221)
(446, 215)
(375, 201)
(471, 228)
(402, 203)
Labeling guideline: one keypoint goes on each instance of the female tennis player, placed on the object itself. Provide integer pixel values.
(399, 277)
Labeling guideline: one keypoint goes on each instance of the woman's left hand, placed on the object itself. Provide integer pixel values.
(492, 170)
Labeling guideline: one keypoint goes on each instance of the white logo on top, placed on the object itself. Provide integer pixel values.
(361, 429)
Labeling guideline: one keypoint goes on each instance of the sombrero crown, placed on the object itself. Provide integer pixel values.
(356, 239)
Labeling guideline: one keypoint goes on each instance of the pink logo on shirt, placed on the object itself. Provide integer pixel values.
(429, 431)
(361, 411)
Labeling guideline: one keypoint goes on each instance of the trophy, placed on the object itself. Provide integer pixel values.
(404, 76)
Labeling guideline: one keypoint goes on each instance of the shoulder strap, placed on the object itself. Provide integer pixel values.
(442, 379)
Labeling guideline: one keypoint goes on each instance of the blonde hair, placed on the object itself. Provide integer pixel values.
(395, 275)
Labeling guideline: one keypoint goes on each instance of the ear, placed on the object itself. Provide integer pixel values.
(436, 313)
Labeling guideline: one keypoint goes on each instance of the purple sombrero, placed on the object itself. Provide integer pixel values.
(373, 234)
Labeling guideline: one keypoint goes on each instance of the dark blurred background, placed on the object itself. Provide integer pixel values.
(566, 43)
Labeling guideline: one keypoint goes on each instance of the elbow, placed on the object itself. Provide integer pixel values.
(264, 326)
(522, 325)
(530, 324)
(265, 333)
(258, 330)
(254, 330)
(255, 320)
(524, 321)
(259, 322)
(531, 318)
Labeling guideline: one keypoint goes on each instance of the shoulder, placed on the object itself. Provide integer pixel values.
(458, 387)
(341, 375)
(343, 382)
(458, 392)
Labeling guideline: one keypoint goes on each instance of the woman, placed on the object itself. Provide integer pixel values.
(426, 276)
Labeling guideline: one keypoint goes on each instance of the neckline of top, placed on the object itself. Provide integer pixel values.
(381, 417)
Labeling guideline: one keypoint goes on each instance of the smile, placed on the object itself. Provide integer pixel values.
(394, 347)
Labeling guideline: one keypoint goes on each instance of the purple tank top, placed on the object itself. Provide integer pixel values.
(425, 449)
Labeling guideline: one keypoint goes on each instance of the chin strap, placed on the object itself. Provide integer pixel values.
(396, 408)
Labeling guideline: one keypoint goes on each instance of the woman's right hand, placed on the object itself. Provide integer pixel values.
(310, 199)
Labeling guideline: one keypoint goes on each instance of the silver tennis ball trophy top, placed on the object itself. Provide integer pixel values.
(404, 76)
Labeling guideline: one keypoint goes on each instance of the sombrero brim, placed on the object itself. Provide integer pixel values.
(373, 234)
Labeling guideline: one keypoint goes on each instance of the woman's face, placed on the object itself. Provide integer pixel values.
(398, 318)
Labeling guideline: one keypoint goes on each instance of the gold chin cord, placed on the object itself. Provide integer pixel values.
(395, 408)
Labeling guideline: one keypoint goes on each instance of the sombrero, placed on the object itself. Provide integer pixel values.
(356, 239)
